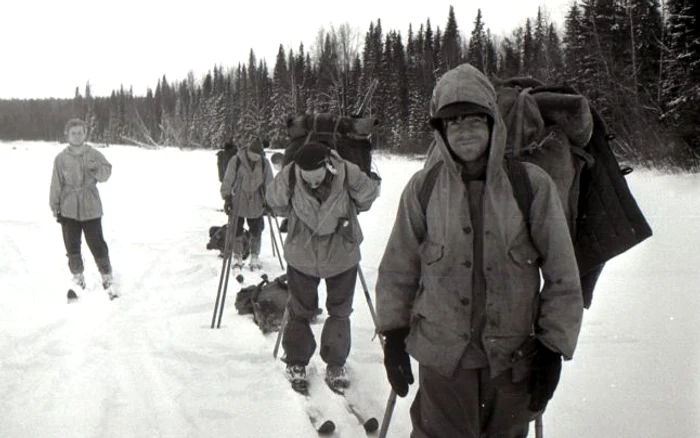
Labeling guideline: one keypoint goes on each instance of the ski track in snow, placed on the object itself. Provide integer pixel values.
(148, 364)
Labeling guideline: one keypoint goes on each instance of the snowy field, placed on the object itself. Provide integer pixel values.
(148, 365)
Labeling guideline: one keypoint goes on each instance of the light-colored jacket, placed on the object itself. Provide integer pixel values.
(251, 178)
(424, 279)
(76, 172)
(323, 240)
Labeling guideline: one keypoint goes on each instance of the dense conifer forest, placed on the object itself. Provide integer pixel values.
(638, 62)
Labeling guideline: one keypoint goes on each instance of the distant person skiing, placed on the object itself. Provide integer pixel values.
(250, 171)
(75, 202)
(321, 195)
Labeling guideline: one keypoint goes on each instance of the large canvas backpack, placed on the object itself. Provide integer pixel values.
(350, 136)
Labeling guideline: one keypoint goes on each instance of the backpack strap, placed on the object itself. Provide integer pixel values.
(426, 189)
(522, 186)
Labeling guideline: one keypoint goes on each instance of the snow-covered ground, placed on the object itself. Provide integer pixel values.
(148, 365)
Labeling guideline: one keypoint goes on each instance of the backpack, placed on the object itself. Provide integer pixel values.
(266, 301)
(555, 128)
(350, 136)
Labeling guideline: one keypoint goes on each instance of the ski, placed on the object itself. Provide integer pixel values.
(370, 424)
(322, 425)
(236, 271)
(112, 294)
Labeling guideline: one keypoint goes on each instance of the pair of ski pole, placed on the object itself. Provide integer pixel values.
(273, 238)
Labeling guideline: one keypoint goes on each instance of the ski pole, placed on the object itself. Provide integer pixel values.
(283, 324)
(224, 272)
(391, 401)
(228, 250)
(538, 427)
(388, 411)
(274, 242)
(272, 238)
(369, 299)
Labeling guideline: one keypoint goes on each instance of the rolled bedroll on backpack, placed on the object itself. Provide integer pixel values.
(556, 128)
(350, 136)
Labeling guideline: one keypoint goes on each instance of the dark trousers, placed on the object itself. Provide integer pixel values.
(470, 405)
(298, 341)
(72, 239)
(256, 225)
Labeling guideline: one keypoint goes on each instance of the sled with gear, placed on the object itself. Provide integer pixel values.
(555, 128)
(217, 239)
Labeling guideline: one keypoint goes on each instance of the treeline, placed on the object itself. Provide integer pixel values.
(638, 63)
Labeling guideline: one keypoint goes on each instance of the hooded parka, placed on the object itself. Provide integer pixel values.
(424, 280)
(76, 172)
(251, 178)
(323, 239)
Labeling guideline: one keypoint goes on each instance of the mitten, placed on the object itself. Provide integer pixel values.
(228, 204)
(397, 361)
(545, 377)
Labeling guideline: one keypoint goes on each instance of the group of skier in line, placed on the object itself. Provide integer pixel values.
(459, 284)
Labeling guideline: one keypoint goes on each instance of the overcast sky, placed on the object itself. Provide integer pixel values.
(48, 47)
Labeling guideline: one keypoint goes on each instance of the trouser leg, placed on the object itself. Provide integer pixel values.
(72, 240)
(298, 340)
(238, 239)
(336, 334)
(256, 227)
(98, 247)
(470, 404)
(505, 413)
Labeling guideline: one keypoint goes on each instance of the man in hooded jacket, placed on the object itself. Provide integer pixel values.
(459, 287)
(320, 194)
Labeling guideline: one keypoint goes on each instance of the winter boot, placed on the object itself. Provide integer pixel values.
(237, 262)
(337, 378)
(79, 280)
(296, 374)
(255, 262)
(106, 281)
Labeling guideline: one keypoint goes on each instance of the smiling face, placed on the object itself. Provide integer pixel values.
(313, 178)
(468, 136)
(76, 135)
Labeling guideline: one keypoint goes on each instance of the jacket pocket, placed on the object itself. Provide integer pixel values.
(345, 230)
(524, 255)
(431, 253)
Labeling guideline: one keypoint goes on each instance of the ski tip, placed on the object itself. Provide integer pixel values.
(371, 425)
(327, 428)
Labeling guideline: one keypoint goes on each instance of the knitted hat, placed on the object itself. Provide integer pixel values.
(256, 147)
(311, 156)
(457, 109)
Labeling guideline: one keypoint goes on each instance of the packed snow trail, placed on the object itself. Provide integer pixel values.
(148, 364)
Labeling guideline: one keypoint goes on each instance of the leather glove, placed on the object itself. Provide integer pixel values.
(228, 205)
(397, 361)
(545, 377)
